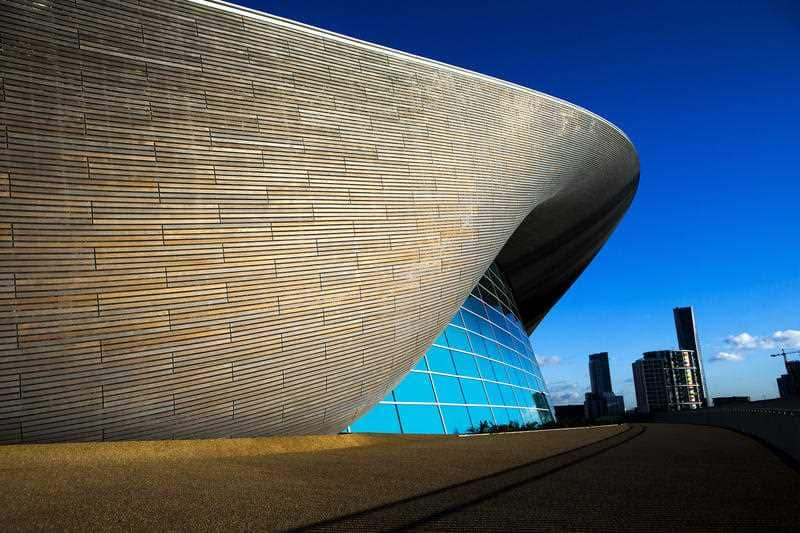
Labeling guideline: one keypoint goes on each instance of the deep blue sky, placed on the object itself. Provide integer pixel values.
(709, 92)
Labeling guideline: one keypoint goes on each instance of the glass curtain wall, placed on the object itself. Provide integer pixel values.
(480, 369)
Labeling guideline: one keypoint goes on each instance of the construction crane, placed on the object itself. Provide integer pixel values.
(783, 353)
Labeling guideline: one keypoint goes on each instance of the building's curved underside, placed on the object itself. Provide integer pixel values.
(214, 222)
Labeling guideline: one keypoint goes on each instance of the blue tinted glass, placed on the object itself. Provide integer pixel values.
(500, 415)
(420, 419)
(500, 372)
(525, 398)
(447, 389)
(497, 317)
(485, 366)
(485, 329)
(473, 391)
(523, 346)
(500, 335)
(475, 305)
(380, 419)
(415, 387)
(515, 344)
(389, 397)
(495, 396)
(512, 326)
(439, 360)
(478, 345)
(457, 338)
(456, 419)
(530, 416)
(508, 395)
(471, 322)
(480, 414)
(492, 349)
(510, 357)
(514, 414)
(465, 364)
(517, 377)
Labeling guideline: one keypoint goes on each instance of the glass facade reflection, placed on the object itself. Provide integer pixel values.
(480, 369)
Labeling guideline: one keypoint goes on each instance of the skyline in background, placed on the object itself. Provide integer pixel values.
(708, 94)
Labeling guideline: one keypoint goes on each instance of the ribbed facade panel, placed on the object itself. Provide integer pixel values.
(215, 222)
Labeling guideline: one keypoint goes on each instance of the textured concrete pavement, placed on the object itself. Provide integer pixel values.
(634, 478)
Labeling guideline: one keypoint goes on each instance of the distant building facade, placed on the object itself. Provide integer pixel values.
(724, 401)
(668, 380)
(789, 383)
(686, 331)
(599, 373)
(572, 412)
(601, 401)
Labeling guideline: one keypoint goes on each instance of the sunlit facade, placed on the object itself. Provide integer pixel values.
(228, 224)
(480, 369)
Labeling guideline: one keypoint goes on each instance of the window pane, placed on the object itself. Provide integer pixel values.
(456, 419)
(456, 338)
(540, 401)
(510, 357)
(530, 416)
(380, 419)
(480, 414)
(514, 414)
(508, 395)
(415, 387)
(420, 419)
(485, 329)
(500, 372)
(485, 366)
(492, 350)
(457, 320)
(526, 364)
(500, 415)
(495, 396)
(497, 317)
(448, 389)
(471, 322)
(478, 346)
(501, 336)
(475, 305)
(525, 397)
(421, 364)
(389, 397)
(465, 364)
(517, 378)
(473, 391)
(439, 360)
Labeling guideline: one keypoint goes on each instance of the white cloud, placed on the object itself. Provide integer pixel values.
(727, 356)
(743, 341)
(562, 392)
(548, 360)
(788, 338)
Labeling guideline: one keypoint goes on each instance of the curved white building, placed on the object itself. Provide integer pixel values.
(216, 222)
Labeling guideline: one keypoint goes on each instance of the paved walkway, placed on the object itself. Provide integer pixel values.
(616, 478)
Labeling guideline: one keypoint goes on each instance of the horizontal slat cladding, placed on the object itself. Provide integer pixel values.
(213, 223)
